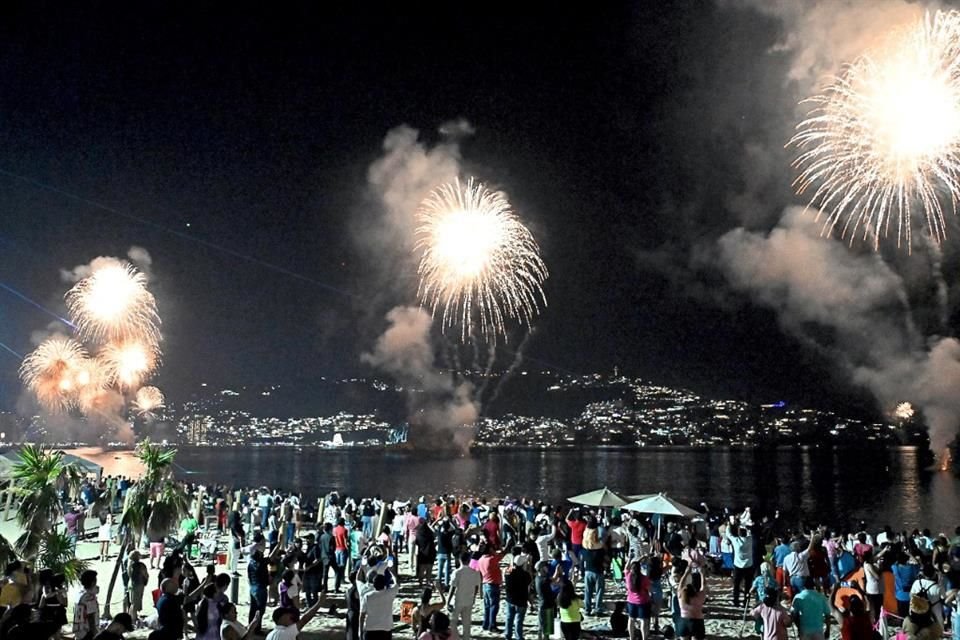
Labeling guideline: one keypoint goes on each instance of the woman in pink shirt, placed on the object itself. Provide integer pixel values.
(639, 605)
(691, 599)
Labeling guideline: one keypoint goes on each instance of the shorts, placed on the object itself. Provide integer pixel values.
(639, 611)
(156, 550)
(691, 628)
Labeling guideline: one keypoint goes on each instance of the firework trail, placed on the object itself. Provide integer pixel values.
(479, 265)
(51, 372)
(882, 141)
(148, 400)
(113, 304)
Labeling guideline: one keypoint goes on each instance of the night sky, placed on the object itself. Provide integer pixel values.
(225, 140)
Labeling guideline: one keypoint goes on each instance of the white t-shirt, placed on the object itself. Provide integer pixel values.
(796, 565)
(742, 551)
(290, 632)
(466, 581)
(378, 605)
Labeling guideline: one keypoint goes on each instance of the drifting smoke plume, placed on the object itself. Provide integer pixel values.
(408, 170)
(442, 412)
(822, 36)
(851, 307)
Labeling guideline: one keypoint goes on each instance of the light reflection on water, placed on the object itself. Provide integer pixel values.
(841, 486)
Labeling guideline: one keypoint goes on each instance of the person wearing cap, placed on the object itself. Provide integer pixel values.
(121, 623)
(289, 623)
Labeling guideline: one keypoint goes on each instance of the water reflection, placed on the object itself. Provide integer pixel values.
(842, 487)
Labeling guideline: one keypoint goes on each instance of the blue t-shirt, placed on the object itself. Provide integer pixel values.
(422, 510)
(846, 563)
(812, 608)
(779, 553)
(903, 577)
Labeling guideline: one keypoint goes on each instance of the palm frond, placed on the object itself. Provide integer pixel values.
(57, 554)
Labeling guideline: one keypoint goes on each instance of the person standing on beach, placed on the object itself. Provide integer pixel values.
(774, 619)
(742, 543)
(593, 558)
(517, 588)
(376, 609)
(259, 579)
(812, 611)
(489, 567)
(328, 555)
(796, 569)
(313, 561)
(639, 601)
(86, 612)
(341, 549)
(265, 504)
(464, 589)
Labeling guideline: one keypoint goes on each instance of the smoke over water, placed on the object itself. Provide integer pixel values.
(852, 307)
(882, 317)
(441, 412)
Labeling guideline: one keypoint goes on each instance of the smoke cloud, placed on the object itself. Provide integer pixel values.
(139, 256)
(822, 36)
(852, 307)
(441, 412)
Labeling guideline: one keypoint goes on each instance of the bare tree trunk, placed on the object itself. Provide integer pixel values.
(113, 577)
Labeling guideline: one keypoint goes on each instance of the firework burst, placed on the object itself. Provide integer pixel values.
(904, 411)
(148, 400)
(479, 265)
(882, 142)
(113, 304)
(128, 364)
(52, 371)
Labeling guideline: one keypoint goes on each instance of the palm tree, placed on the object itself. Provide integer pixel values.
(57, 553)
(156, 502)
(38, 476)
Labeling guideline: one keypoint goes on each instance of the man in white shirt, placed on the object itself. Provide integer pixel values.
(742, 543)
(795, 566)
(288, 627)
(376, 609)
(464, 588)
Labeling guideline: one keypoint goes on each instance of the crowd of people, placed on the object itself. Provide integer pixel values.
(631, 574)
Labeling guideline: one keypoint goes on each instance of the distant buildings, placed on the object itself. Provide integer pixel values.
(598, 410)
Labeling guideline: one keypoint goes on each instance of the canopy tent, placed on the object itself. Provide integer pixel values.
(598, 498)
(659, 503)
(12, 457)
